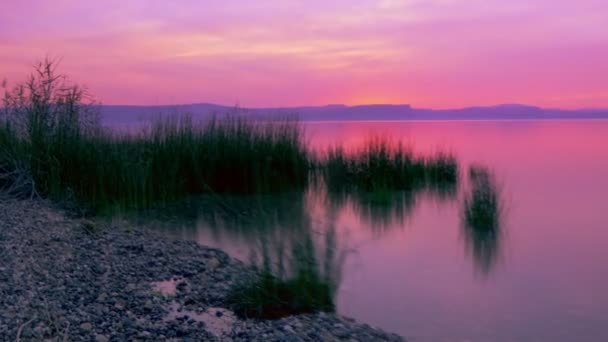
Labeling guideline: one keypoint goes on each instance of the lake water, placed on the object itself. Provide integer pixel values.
(413, 268)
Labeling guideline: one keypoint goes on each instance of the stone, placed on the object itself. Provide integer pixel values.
(101, 338)
(102, 297)
(213, 263)
(86, 326)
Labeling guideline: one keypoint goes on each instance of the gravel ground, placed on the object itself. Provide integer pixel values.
(67, 279)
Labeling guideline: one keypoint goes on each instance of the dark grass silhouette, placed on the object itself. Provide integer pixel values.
(175, 158)
(293, 277)
(381, 165)
(482, 204)
(482, 216)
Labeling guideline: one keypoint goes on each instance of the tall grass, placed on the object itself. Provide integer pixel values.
(381, 166)
(482, 208)
(172, 159)
(482, 214)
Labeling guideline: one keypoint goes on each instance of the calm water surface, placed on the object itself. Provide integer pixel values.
(413, 269)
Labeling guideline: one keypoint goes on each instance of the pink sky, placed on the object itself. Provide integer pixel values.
(429, 53)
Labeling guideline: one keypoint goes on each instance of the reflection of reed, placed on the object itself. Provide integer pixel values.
(252, 215)
(381, 211)
(481, 219)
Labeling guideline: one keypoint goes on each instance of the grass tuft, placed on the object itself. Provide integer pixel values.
(482, 205)
(482, 213)
(304, 281)
(381, 166)
(272, 297)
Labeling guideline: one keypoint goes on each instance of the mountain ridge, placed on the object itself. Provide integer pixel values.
(117, 114)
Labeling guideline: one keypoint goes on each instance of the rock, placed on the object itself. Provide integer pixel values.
(102, 297)
(86, 326)
(213, 263)
(101, 338)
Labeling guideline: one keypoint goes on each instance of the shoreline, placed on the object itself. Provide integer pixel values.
(94, 281)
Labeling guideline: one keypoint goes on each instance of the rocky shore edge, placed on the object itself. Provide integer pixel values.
(65, 279)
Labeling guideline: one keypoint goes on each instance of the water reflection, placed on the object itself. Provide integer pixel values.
(270, 229)
(382, 212)
(481, 219)
(279, 230)
(249, 216)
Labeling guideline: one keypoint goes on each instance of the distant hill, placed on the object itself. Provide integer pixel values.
(118, 115)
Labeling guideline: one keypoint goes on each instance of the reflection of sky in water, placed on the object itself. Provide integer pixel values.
(409, 269)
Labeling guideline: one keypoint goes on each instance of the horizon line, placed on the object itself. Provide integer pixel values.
(238, 106)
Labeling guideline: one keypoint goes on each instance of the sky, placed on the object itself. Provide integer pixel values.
(280, 53)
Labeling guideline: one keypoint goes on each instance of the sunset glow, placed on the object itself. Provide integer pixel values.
(429, 53)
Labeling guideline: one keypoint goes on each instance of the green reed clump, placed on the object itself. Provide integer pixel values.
(377, 166)
(302, 282)
(481, 219)
(441, 175)
(482, 204)
(381, 166)
(272, 297)
(176, 158)
(441, 168)
(252, 156)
